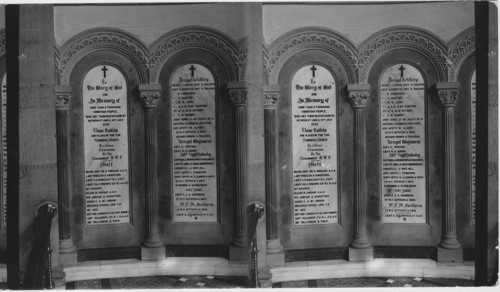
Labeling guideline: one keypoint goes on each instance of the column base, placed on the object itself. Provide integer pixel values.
(360, 254)
(238, 253)
(68, 259)
(274, 246)
(455, 255)
(152, 253)
(275, 259)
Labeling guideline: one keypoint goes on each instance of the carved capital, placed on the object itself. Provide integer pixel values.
(271, 100)
(150, 94)
(271, 96)
(63, 97)
(238, 93)
(448, 93)
(358, 94)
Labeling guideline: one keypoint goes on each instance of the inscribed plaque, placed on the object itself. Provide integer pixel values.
(403, 167)
(106, 146)
(3, 171)
(473, 144)
(194, 147)
(314, 132)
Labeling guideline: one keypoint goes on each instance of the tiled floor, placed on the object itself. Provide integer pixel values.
(200, 282)
(159, 282)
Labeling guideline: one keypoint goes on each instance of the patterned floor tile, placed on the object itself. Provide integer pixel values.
(89, 285)
(295, 284)
(354, 282)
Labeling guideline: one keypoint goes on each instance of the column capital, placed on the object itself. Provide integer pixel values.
(238, 93)
(271, 96)
(358, 94)
(448, 93)
(63, 97)
(150, 94)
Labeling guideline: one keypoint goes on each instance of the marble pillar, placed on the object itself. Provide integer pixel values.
(67, 250)
(238, 98)
(274, 249)
(152, 247)
(360, 248)
(449, 248)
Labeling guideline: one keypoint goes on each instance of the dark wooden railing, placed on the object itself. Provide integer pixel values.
(254, 212)
(39, 272)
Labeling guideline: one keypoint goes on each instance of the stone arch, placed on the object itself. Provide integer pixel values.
(196, 37)
(461, 47)
(311, 38)
(2, 42)
(403, 38)
(102, 39)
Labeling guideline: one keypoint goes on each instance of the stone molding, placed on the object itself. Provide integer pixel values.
(201, 38)
(460, 48)
(403, 37)
(150, 94)
(271, 96)
(63, 97)
(238, 92)
(148, 61)
(102, 39)
(311, 38)
(3, 48)
(448, 93)
(358, 94)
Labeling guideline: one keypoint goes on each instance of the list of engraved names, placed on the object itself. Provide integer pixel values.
(314, 132)
(106, 146)
(402, 106)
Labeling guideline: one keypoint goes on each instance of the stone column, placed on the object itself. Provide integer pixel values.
(360, 248)
(449, 249)
(274, 249)
(67, 249)
(152, 247)
(238, 98)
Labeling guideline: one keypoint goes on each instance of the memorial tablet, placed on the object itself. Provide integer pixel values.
(194, 144)
(106, 146)
(3, 171)
(314, 124)
(473, 144)
(403, 167)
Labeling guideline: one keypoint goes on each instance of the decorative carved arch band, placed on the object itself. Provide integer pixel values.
(461, 47)
(102, 39)
(198, 38)
(2, 42)
(404, 37)
(311, 38)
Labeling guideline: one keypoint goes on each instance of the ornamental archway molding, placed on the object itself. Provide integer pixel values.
(196, 37)
(461, 47)
(309, 38)
(410, 38)
(102, 39)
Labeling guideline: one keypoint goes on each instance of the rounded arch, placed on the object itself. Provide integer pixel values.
(102, 39)
(403, 38)
(311, 38)
(2, 42)
(461, 47)
(197, 37)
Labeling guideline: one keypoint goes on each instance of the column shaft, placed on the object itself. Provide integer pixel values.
(239, 235)
(448, 94)
(152, 238)
(360, 239)
(271, 188)
(66, 244)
